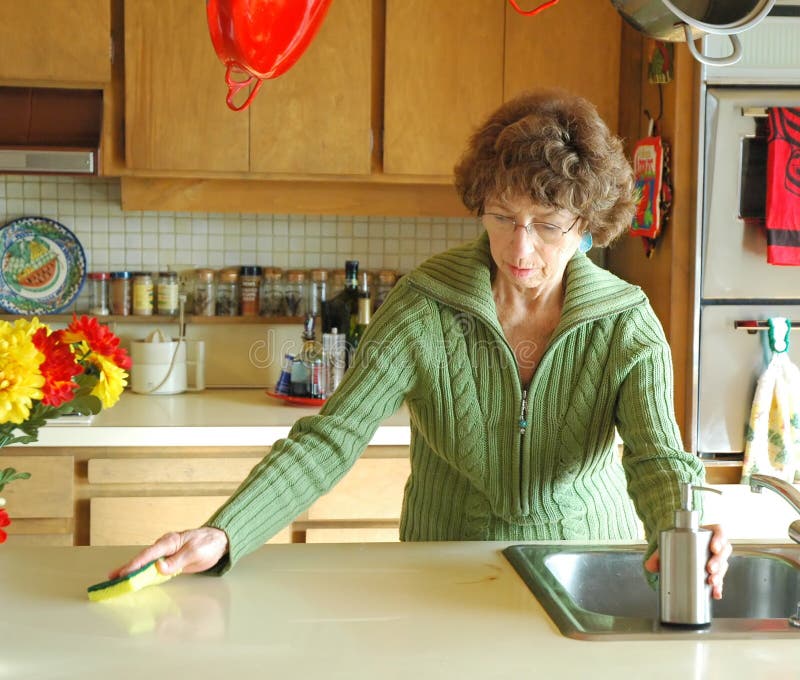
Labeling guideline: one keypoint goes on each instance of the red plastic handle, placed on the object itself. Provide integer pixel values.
(535, 10)
(235, 85)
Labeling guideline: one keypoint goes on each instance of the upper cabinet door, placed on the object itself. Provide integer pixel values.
(175, 113)
(58, 42)
(316, 117)
(444, 74)
(574, 45)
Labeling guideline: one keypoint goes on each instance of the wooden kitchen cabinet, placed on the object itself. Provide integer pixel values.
(316, 118)
(573, 45)
(134, 498)
(41, 508)
(175, 113)
(444, 73)
(56, 43)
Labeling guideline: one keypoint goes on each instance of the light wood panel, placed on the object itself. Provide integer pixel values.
(142, 520)
(359, 535)
(169, 470)
(56, 42)
(299, 197)
(372, 489)
(574, 45)
(444, 74)
(48, 492)
(175, 112)
(316, 117)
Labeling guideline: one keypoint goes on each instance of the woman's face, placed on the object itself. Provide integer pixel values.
(531, 257)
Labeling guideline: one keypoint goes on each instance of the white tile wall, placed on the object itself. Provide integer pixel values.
(138, 240)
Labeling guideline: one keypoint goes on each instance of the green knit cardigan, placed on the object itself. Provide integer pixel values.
(437, 345)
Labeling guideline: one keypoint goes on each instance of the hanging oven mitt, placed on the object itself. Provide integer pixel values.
(652, 189)
(772, 437)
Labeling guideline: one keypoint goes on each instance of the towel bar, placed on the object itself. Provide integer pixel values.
(752, 326)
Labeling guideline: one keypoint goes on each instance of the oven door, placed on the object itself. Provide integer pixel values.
(734, 243)
(731, 362)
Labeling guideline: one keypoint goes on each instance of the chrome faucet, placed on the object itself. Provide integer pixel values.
(786, 491)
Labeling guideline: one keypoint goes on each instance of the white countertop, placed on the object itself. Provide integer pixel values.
(422, 610)
(213, 417)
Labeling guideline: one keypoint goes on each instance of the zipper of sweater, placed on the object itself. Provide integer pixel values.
(523, 417)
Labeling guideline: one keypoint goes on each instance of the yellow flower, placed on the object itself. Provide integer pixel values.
(111, 381)
(20, 378)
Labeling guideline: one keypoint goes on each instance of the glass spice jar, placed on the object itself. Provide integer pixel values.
(167, 293)
(228, 292)
(272, 303)
(142, 294)
(386, 280)
(249, 285)
(294, 293)
(121, 293)
(98, 291)
(204, 297)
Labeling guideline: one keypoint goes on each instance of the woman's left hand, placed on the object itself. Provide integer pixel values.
(717, 563)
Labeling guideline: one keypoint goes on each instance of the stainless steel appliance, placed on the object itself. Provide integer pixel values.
(736, 284)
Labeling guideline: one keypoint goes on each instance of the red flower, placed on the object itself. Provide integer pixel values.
(4, 522)
(58, 368)
(99, 338)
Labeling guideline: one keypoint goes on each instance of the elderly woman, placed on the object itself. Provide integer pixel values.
(517, 357)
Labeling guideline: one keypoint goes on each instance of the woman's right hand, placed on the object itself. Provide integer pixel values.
(185, 551)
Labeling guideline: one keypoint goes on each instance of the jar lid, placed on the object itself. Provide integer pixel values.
(99, 276)
(169, 274)
(295, 275)
(249, 270)
(387, 276)
(120, 275)
(204, 275)
(273, 272)
(228, 276)
(319, 275)
(141, 274)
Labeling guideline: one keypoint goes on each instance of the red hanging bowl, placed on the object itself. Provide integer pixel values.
(261, 39)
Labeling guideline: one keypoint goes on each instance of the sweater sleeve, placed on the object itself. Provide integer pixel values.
(320, 449)
(653, 457)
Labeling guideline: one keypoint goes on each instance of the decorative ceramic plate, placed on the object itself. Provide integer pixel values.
(42, 266)
(296, 401)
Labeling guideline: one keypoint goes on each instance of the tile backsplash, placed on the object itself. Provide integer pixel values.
(113, 239)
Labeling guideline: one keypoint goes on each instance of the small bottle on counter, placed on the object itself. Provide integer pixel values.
(142, 294)
(121, 293)
(204, 293)
(271, 294)
(334, 358)
(307, 376)
(167, 293)
(228, 292)
(284, 384)
(98, 282)
(249, 285)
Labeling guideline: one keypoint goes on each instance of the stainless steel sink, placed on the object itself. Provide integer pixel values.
(600, 592)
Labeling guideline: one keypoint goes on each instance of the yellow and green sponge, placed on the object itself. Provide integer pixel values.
(148, 575)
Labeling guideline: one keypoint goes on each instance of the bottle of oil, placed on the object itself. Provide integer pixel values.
(364, 312)
(341, 309)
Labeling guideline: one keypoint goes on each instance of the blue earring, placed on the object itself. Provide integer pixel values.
(586, 243)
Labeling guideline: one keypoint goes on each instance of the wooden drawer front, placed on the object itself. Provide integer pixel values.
(48, 492)
(169, 470)
(140, 521)
(359, 535)
(373, 489)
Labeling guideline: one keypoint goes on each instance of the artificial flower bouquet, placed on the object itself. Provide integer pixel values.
(45, 374)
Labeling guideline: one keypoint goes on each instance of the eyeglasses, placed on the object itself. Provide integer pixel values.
(546, 231)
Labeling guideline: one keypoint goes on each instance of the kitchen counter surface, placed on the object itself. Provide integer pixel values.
(213, 417)
(424, 610)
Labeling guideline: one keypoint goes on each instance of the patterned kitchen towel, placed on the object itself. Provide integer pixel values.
(772, 437)
(783, 186)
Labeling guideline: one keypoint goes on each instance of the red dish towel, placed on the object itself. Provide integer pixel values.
(783, 186)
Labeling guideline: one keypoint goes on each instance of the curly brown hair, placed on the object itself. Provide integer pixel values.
(552, 147)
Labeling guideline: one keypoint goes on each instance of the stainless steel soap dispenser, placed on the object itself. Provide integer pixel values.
(685, 596)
